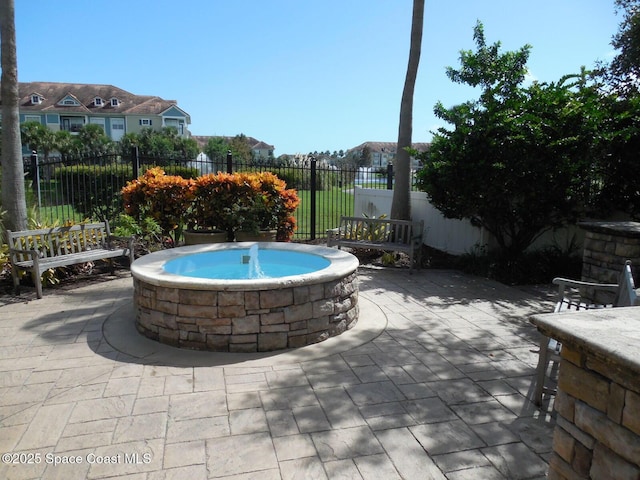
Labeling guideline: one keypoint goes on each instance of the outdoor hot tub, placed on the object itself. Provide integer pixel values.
(245, 297)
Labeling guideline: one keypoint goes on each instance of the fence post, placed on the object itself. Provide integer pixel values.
(135, 161)
(312, 198)
(229, 162)
(389, 176)
(35, 180)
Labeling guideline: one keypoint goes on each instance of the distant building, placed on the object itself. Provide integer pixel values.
(382, 153)
(70, 106)
(259, 149)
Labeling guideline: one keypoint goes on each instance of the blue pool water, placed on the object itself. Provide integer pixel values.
(234, 264)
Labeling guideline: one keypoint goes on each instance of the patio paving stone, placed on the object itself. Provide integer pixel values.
(439, 391)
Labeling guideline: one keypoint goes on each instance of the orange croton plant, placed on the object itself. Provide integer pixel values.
(220, 201)
(163, 197)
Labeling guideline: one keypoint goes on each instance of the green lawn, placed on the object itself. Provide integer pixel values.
(59, 214)
(330, 205)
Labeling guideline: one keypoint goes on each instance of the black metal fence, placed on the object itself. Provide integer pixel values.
(74, 189)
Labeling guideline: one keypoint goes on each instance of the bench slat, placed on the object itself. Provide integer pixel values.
(379, 234)
(72, 258)
(41, 249)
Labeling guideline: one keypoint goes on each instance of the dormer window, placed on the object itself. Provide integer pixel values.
(98, 102)
(36, 99)
(69, 101)
(115, 102)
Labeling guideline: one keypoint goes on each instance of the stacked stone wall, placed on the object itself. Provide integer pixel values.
(597, 434)
(607, 246)
(246, 321)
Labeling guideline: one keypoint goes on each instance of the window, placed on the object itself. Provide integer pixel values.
(69, 101)
(97, 102)
(175, 123)
(98, 121)
(36, 99)
(32, 118)
(115, 102)
(71, 124)
(145, 121)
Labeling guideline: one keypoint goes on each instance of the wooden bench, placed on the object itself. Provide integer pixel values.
(40, 250)
(379, 234)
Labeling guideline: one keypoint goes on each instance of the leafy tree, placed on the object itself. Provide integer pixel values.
(618, 185)
(187, 147)
(38, 137)
(13, 190)
(65, 142)
(240, 148)
(216, 149)
(518, 160)
(401, 206)
(92, 139)
(165, 143)
(624, 70)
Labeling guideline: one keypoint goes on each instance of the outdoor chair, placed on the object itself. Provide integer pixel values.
(621, 294)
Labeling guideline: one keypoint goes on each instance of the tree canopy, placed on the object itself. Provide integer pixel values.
(165, 143)
(624, 69)
(519, 160)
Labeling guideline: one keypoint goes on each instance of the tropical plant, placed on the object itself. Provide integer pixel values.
(517, 161)
(243, 201)
(271, 205)
(146, 230)
(226, 202)
(213, 197)
(165, 198)
(165, 143)
(93, 140)
(37, 137)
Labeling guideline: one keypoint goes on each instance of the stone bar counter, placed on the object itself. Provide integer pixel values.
(597, 434)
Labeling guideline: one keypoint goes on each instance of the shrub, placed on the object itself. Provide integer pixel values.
(532, 267)
(165, 198)
(243, 201)
(94, 189)
(220, 201)
(213, 196)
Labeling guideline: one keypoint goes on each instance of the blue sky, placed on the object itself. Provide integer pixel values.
(302, 75)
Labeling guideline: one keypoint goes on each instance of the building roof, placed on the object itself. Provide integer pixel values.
(389, 147)
(52, 94)
(253, 143)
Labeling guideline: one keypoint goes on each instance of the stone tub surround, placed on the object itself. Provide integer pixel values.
(597, 434)
(607, 245)
(245, 315)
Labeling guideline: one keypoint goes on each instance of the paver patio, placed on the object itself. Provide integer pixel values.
(438, 391)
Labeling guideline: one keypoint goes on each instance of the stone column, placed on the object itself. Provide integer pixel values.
(597, 434)
(607, 245)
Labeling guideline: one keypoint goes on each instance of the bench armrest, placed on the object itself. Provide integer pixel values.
(567, 282)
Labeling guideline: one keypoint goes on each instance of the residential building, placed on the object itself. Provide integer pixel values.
(383, 153)
(70, 106)
(259, 149)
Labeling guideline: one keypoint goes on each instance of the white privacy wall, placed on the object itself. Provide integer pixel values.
(449, 235)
